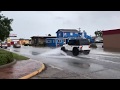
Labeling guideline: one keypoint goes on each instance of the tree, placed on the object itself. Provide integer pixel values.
(101, 33)
(49, 34)
(96, 33)
(5, 27)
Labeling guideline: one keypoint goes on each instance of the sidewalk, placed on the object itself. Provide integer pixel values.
(20, 69)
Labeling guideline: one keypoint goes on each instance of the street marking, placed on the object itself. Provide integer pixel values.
(55, 67)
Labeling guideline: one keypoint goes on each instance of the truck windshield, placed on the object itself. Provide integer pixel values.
(84, 42)
(74, 42)
(79, 42)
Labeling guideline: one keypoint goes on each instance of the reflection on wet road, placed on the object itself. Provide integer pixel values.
(94, 63)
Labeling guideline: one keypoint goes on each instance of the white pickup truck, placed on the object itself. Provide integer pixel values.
(77, 46)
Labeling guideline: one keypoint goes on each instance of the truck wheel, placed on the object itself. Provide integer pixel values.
(86, 52)
(63, 49)
(75, 51)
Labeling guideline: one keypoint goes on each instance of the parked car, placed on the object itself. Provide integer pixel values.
(4, 45)
(17, 45)
(77, 46)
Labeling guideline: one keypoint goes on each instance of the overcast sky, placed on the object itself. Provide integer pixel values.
(32, 23)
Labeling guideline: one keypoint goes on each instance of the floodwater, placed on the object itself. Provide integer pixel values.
(98, 60)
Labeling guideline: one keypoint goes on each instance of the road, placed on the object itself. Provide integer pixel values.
(97, 65)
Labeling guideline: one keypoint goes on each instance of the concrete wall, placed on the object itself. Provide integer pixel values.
(111, 42)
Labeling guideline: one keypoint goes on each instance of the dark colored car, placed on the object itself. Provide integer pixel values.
(17, 45)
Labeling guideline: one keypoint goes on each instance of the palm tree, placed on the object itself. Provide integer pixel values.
(101, 33)
(96, 33)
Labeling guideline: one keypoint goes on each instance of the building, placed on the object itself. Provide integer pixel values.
(40, 40)
(24, 41)
(65, 34)
(111, 40)
(13, 41)
(54, 42)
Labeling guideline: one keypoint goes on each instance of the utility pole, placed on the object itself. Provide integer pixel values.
(79, 29)
(79, 32)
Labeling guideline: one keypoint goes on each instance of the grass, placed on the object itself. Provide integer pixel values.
(19, 57)
(15, 56)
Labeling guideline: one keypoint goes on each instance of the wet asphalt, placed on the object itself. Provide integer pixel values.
(97, 65)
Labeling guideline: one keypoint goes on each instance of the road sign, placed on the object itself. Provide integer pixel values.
(13, 35)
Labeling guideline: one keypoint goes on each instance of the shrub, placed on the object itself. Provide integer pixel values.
(26, 44)
(30, 44)
(93, 45)
(5, 57)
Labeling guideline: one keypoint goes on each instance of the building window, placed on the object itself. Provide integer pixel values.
(65, 34)
(48, 41)
(53, 41)
(59, 41)
(71, 34)
(64, 40)
(59, 34)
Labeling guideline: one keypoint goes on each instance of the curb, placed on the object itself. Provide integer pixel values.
(9, 64)
(34, 73)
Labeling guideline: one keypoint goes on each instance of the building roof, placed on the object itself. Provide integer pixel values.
(43, 37)
(110, 32)
(23, 39)
(68, 30)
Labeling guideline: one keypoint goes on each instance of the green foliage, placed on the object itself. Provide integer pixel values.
(49, 34)
(5, 57)
(19, 57)
(5, 27)
(98, 33)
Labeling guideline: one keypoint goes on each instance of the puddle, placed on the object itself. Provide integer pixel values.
(35, 53)
(16, 50)
(81, 65)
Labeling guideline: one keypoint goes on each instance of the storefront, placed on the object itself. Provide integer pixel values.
(111, 40)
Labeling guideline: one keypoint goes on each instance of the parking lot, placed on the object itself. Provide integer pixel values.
(97, 65)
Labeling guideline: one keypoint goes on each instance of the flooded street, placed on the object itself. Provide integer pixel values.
(98, 64)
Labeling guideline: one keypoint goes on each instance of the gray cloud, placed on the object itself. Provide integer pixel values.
(29, 23)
